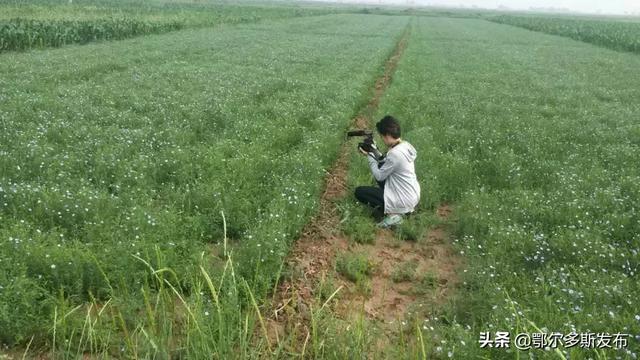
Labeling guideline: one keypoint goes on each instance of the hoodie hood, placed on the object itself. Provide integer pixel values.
(406, 150)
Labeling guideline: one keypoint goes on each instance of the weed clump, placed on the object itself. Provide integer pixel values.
(426, 284)
(356, 268)
(360, 230)
(357, 223)
(404, 272)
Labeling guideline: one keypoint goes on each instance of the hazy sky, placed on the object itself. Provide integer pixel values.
(592, 6)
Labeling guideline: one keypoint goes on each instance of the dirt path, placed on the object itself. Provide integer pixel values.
(313, 255)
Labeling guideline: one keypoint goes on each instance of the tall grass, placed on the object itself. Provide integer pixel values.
(212, 320)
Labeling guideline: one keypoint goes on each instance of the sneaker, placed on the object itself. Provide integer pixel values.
(390, 220)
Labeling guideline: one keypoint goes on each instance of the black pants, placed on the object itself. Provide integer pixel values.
(372, 196)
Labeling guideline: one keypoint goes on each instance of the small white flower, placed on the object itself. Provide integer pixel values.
(53, 266)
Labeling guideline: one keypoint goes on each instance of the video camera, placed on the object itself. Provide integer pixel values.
(368, 145)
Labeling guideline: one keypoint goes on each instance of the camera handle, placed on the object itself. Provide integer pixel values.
(379, 159)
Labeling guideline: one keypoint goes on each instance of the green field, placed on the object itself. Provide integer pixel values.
(151, 188)
(180, 128)
(536, 138)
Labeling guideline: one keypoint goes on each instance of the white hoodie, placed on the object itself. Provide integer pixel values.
(401, 188)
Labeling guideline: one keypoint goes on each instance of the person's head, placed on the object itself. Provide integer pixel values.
(389, 129)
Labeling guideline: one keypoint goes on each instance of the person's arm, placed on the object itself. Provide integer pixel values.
(383, 172)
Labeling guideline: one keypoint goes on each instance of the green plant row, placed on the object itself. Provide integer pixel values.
(53, 24)
(618, 35)
(22, 34)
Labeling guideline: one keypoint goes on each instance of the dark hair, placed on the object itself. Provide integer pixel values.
(388, 125)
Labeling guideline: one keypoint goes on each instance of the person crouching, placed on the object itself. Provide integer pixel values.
(398, 190)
